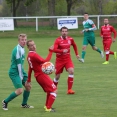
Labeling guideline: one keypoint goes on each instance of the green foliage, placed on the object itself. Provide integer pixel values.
(110, 7)
(29, 2)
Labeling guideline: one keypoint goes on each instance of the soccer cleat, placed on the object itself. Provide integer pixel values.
(115, 55)
(81, 60)
(102, 54)
(70, 91)
(46, 107)
(26, 106)
(105, 63)
(4, 105)
(50, 110)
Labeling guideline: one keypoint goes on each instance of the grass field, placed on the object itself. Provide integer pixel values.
(95, 84)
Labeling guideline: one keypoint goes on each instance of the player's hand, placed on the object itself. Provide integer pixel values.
(114, 40)
(81, 32)
(86, 30)
(51, 48)
(65, 50)
(28, 84)
(78, 56)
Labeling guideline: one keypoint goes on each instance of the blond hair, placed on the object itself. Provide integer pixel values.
(22, 35)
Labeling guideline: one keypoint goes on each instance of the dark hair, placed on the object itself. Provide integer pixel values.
(86, 13)
(27, 43)
(63, 28)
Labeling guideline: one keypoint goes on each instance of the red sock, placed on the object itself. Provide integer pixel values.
(107, 57)
(70, 82)
(55, 82)
(111, 52)
(47, 97)
(51, 100)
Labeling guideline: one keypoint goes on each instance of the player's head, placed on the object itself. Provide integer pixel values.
(22, 38)
(86, 16)
(31, 45)
(106, 21)
(64, 32)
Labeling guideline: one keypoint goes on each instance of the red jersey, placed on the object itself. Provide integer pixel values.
(35, 62)
(106, 32)
(60, 44)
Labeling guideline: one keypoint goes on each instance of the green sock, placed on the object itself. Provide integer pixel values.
(83, 54)
(98, 50)
(11, 97)
(25, 97)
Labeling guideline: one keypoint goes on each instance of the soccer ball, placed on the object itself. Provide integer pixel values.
(48, 68)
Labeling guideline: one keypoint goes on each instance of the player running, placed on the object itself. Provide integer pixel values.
(35, 62)
(89, 36)
(105, 33)
(18, 75)
(63, 58)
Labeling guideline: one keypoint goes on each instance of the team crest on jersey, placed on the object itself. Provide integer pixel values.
(69, 42)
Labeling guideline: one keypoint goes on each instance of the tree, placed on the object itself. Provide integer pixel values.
(70, 3)
(51, 12)
(14, 6)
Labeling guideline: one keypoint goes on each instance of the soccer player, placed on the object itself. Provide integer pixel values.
(63, 58)
(89, 37)
(18, 75)
(105, 33)
(35, 62)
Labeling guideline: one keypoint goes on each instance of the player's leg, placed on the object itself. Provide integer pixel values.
(70, 80)
(92, 43)
(26, 93)
(112, 52)
(85, 43)
(70, 69)
(107, 45)
(59, 69)
(18, 85)
(48, 86)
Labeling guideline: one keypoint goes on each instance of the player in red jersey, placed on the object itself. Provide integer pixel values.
(63, 58)
(105, 33)
(35, 62)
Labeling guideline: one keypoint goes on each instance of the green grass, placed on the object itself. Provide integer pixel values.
(95, 84)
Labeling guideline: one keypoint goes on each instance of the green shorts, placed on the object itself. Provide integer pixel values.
(17, 82)
(89, 40)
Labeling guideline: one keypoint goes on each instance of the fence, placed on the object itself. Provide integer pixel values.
(44, 21)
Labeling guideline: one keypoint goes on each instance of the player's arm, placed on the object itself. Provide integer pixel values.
(75, 49)
(19, 63)
(101, 32)
(41, 60)
(56, 50)
(29, 73)
(114, 32)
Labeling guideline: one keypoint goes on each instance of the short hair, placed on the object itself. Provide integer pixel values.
(86, 13)
(27, 43)
(22, 35)
(63, 28)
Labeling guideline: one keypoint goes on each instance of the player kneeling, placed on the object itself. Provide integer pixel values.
(35, 62)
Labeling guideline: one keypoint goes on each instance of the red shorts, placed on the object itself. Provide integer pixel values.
(107, 44)
(61, 64)
(46, 83)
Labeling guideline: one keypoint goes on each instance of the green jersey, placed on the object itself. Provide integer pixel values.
(17, 61)
(89, 24)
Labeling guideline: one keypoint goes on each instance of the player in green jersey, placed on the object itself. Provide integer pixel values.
(18, 75)
(89, 36)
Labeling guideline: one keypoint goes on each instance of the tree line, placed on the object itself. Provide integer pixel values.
(56, 7)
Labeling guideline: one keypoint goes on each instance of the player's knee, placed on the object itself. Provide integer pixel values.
(19, 91)
(28, 88)
(94, 48)
(84, 48)
(53, 93)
